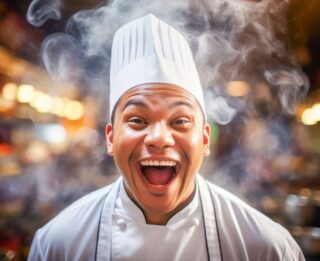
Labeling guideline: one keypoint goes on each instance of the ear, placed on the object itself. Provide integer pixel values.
(109, 138)
(206, 139)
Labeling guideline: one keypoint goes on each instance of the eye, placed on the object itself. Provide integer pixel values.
(181, 121)
(137, 121)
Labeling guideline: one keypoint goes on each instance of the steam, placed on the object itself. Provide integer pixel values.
(41, 10)
(291, 85)
(231, 40)
(219, 109)
(62, 57)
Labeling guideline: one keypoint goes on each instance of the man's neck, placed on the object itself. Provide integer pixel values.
(162, 219)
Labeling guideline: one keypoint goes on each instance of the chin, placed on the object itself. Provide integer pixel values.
(159, 204)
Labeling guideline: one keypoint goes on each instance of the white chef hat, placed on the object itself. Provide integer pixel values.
(147, 50)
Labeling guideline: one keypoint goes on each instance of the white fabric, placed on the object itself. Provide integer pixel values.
(210, 222)
(243, 233)
(180, 239)
(147, 50)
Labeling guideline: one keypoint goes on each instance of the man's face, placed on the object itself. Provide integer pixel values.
(158, 140)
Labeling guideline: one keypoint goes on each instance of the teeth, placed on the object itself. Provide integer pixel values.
(168, 163)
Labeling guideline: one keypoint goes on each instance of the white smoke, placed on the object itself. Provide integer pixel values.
(41, 10)
(231, 40)
(290, 83)
(62, 57)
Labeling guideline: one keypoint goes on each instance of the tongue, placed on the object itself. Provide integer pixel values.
(158, 176)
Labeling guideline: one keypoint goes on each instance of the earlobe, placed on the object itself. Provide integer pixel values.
(109, 138)
(206, 139)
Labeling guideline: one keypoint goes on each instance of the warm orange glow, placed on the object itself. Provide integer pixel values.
(35, 96)
(308, 117)
(5, 149)
(25, 93)
(9, 91)
(6, 105)
(42, 102)
(237, 88)
(316, 110)
(57, 106)
(73, 110)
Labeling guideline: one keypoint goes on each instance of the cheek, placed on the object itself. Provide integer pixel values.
(194, 150)
(193, 142)
(126, 142)
(126, 135)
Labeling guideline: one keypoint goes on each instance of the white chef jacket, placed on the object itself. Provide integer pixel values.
(233, 230)
(180, 239)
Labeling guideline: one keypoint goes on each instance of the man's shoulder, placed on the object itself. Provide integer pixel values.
(231, 204)
(74, 226)
(239, 224)
(84, 207)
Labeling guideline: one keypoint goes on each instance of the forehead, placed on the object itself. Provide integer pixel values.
(147, 93)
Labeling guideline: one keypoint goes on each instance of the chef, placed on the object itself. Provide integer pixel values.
(160, 208)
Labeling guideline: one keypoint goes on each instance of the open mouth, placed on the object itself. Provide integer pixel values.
(158, 173)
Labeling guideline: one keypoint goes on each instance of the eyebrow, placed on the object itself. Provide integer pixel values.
(141, 103)
(135, 102)
(181, 103)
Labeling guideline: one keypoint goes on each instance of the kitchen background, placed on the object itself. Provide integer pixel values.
(52, 147)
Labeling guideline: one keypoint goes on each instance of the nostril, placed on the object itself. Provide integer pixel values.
(159, 142)
(159, 135)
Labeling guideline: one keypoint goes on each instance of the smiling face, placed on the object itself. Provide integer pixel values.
(158, 140)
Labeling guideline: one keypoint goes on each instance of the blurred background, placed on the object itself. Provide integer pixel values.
(52, 145)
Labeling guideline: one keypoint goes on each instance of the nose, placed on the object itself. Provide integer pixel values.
(159, 136)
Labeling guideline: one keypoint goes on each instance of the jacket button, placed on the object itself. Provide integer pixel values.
(122, 224)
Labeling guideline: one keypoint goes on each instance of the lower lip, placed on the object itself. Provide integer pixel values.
(157, 190)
